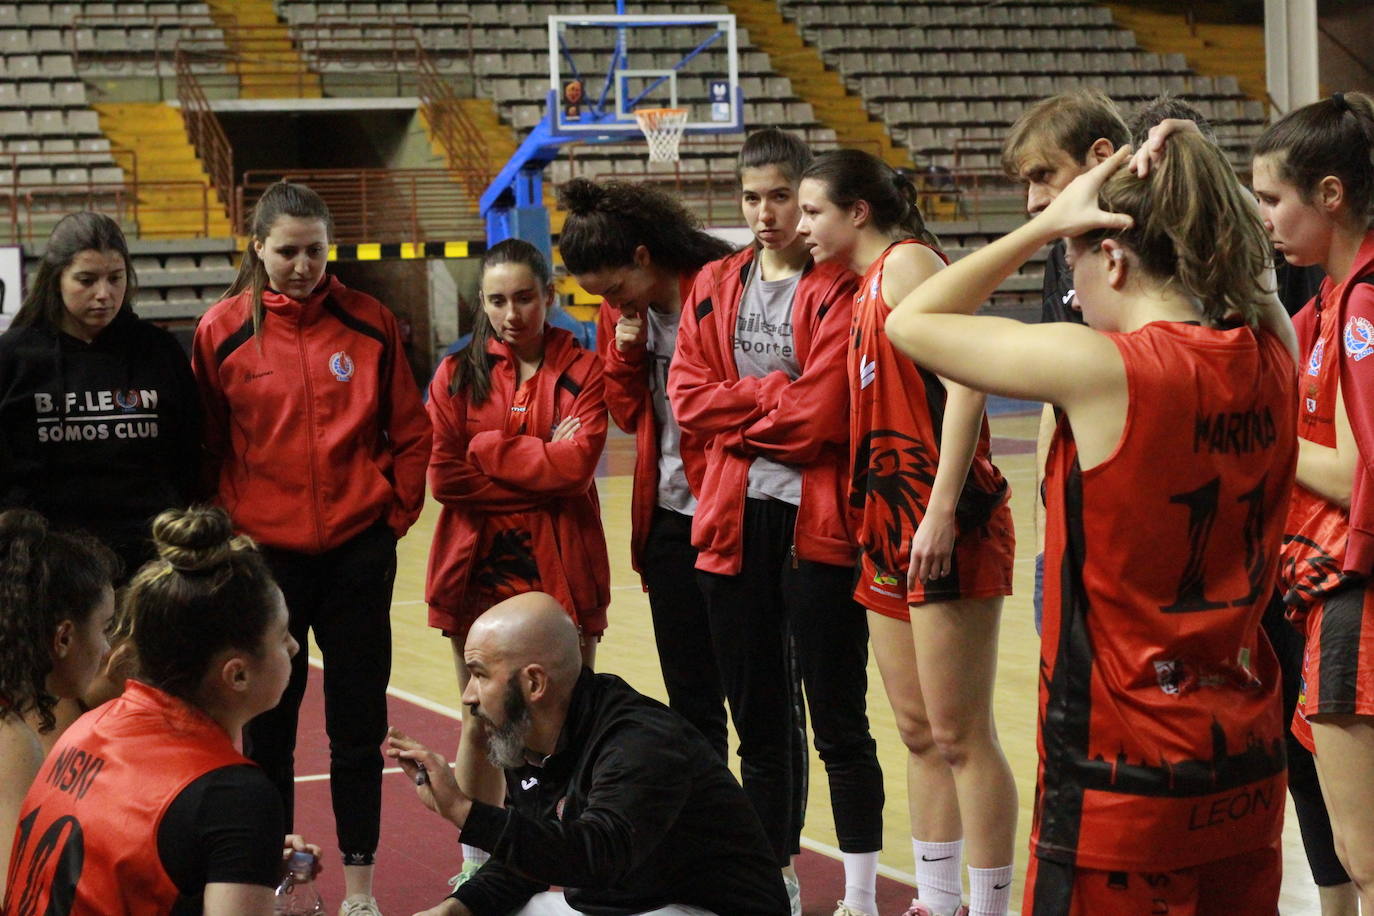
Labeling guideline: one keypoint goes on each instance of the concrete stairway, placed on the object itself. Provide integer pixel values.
(1211, 49)
(271, 66)
(157, 135)
(824, 89)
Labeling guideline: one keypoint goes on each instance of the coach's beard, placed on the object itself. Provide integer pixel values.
(506, 742)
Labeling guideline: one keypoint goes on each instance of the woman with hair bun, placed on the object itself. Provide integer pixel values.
(759, 378)
(56, 603)
(639, 249)
(317, 446)
(1314, 177)
(146, 805)
(935, 533)
(99, 413)
(1161, 738)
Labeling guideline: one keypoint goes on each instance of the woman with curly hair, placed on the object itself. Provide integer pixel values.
(56, 601)
(638, 248)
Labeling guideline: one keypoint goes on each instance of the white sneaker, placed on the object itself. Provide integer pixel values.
(359, 905)
(844, 909)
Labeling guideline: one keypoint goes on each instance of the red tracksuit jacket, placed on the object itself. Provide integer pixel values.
(476, 467)
(314, 429)
(1352, 303)
(631, 406)
(801, 422)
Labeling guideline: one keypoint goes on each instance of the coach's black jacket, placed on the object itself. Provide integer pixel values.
(632, 812)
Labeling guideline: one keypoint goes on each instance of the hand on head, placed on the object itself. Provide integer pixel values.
(1076, 210)
(1151, 152)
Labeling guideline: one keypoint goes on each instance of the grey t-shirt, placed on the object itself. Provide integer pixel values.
(660, 339)
(763, 344)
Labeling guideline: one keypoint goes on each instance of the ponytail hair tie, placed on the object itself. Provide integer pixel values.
(1342, 106)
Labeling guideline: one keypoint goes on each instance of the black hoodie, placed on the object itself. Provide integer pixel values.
(632, 812)
(101, 435)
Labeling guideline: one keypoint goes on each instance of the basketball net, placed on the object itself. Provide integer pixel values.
(663, 128)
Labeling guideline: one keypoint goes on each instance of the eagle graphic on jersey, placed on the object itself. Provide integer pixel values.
(893, 474)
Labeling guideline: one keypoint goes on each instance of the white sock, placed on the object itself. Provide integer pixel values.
(937, 874)
(989, 891)
(474, 856)
(861, 881)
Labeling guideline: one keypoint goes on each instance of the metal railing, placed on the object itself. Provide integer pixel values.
(205, 133)
(461, 139)
(380, 205)
(29, 211)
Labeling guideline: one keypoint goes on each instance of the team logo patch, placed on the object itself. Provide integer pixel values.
(341, 364)
(1314, 362)
(127, 400)
(1311, 405)
(868, 371)
(1167, 674)
(1359, 337)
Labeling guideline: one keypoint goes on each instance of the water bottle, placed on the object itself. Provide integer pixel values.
(297, 895)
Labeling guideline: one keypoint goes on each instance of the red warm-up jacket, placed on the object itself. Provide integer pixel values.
(632, 408)
(1353, 304)
(314, 430)
(802, 422)
(477, 468)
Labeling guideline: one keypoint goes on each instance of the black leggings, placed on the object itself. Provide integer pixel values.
(344, 595)
(1313, 821)
(682, 630)
(779, 624)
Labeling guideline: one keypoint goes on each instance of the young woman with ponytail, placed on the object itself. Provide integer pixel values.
(317, 445)
(1161, 740)
(151, 807)
(639, 249)
(56, 603)
(1314, 177)
(934, 527)
(758, 379)
(519, 424)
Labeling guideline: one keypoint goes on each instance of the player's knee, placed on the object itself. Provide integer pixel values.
(956, 739)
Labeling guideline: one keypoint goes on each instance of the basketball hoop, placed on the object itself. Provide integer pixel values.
(663, 128)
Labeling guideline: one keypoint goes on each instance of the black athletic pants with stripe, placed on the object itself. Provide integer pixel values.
(344, 595)
(1313, 821)
(779, 624)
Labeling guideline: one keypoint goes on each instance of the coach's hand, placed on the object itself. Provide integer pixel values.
(630, 331)
(434, 781)
(449, 907)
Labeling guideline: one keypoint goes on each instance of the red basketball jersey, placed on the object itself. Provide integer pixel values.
(1161, 731)
(1317, 529)
(86, 844)
(896, 412)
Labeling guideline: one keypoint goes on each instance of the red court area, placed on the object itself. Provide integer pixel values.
(419, 851)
